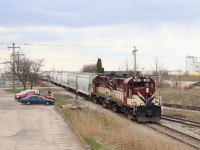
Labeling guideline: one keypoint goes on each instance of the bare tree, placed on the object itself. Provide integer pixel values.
(24, 69)
(34, 70)
(23, 66)
(159, 72)
(127, 67)
(89, 68)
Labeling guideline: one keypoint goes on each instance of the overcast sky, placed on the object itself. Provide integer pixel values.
(69, 34)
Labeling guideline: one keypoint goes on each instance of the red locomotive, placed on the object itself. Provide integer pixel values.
(135, 96)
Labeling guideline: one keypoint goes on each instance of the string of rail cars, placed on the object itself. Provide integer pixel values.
(134, 96)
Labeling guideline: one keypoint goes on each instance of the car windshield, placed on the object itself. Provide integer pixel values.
(24, 92)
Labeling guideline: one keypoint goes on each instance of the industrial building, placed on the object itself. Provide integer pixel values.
(192, 65)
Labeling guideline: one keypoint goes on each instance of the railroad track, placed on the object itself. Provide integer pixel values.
(177, 135)
(181, 120)
(173, 133)
(182, 107)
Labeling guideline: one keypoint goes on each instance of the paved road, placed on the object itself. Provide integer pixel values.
(33, 127)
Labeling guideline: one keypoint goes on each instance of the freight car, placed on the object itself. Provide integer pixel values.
(134, 96)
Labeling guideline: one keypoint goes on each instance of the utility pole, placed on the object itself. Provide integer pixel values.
(134, 54)
(13, 77)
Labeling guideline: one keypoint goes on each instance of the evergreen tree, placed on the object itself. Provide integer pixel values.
(100, 69)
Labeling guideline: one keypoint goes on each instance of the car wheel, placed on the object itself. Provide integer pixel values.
(47, 103)
(28, 103)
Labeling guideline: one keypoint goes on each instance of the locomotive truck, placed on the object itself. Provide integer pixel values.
(134, 96)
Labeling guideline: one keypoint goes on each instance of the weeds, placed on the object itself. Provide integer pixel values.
(182, 114)
(107, 132)
(14, 90)
(188, 97)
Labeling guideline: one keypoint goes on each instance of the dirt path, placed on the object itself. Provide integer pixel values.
(34, 127)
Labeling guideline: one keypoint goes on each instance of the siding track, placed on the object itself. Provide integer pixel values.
(181, 120)
(177, 135)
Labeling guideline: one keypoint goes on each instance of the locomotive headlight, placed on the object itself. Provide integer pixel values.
(141, 104)
(156, 104)
(147, 90)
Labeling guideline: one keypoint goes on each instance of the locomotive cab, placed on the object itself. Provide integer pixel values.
(140, 93)
(135, 96)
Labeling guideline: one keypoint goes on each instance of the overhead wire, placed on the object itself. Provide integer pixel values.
(96, 55)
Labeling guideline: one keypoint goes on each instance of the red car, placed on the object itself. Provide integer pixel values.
(27, 93)
(48, 95)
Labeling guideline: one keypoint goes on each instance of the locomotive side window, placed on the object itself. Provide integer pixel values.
(124, 87)
(152, 85)
(130, 86)
(96, 81)
(106, 80)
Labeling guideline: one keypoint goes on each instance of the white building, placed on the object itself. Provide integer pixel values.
(197, 67)
(192, 66)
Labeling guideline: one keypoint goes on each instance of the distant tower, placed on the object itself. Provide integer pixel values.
(190, 64)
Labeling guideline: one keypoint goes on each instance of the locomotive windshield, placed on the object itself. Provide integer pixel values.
(143, 84)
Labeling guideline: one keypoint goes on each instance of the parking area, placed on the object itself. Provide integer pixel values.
(33, 127)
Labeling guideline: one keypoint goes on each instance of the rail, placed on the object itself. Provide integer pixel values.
(181, 120)
(175, 134)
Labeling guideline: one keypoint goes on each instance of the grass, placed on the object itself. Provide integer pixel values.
(182, 78)
(17, 90)
(62, 100)
(187, 97)
(107, 132)
(92, 142)
(182, 114)
(14, 90)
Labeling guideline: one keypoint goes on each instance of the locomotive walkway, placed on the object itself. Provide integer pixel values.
(34, 127)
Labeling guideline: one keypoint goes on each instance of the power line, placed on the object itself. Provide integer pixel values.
(68, 45)
(106, 55)
(83, 60)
